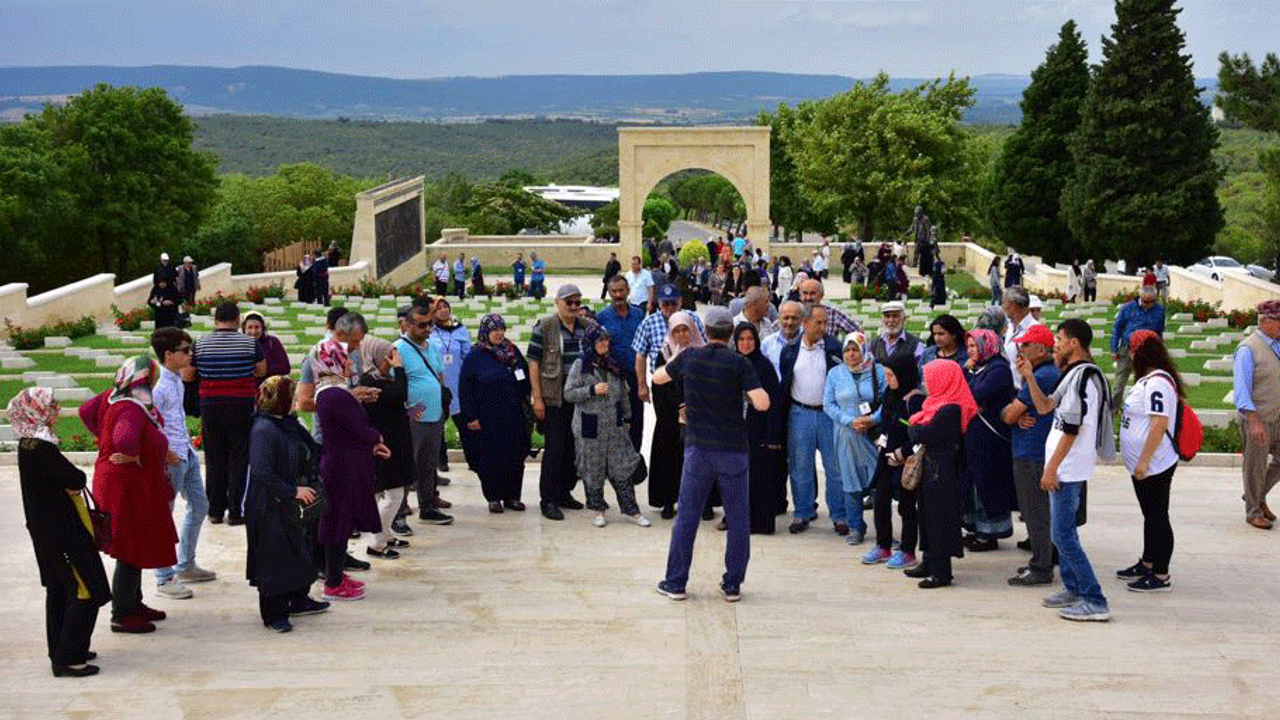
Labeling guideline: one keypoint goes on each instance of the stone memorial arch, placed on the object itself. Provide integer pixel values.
(646, 155)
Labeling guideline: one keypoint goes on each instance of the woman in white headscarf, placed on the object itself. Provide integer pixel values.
(851, 398)
(666, 454)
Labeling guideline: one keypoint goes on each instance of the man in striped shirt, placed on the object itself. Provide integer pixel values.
(227, 363)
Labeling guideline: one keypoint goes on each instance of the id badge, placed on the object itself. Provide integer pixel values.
(865, 408)
(882, 442)
(519, 373)
(448, 358)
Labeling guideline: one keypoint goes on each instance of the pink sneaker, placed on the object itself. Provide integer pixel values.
(345, 591)
(348, 580)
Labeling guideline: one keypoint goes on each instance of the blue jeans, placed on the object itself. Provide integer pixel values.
(186, 481)
(704, 469)
(810, 431)
(1077, 573)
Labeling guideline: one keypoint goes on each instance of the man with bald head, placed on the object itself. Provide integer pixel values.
(838, 324)
(755, 310)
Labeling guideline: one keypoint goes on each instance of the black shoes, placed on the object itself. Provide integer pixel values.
(400, 527)
(513, 505)
(932, 582)
(397, 543)
(307, 606)
(74, 670)
(668, 512)
(1134, 572)
(350, 563)
(732, 593)
(385, 554)
(281, 626)
(495, 507)
(798, 527)
(569, 503)
(441, 480)
(1151, 583)
(550, 511)
(1027, 577)
(919, 571)
(435, 517)
(977, 544)
(708, 514)
(215, 519)
(235, 520)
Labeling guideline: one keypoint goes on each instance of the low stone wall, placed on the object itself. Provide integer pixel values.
(562, 253)
(1190, 286)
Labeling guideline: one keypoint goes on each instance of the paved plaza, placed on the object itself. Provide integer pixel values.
(513, 616)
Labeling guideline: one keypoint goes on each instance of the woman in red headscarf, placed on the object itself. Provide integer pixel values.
(939, 427)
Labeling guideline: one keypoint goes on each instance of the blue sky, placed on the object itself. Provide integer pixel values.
(428, 38)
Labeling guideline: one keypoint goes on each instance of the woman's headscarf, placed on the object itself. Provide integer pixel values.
(992, 318)
(859, 339)
(254, 315)
(908, 373)
(505, 352)
(799, 278)
(133, 384)
(592, 359)
(275, 395)
(373, 352)
(32, 412)
(329, 365)
(946, 385)
(987, 344)
(669, 347)
(764, 369)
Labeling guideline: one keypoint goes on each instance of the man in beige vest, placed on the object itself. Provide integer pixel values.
(1257, 396)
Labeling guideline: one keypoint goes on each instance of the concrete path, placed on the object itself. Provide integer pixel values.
(512, 616)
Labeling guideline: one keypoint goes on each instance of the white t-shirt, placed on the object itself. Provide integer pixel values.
(640, 283)
(1152, 395)
(1011, 348)
(1078, 465)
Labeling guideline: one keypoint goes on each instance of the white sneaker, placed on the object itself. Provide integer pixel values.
(174, 590)
(600, 521)
(639, 519)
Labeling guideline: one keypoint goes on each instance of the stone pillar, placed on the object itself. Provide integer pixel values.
(629, 241)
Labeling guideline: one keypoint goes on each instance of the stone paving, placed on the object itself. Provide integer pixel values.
(512, 616)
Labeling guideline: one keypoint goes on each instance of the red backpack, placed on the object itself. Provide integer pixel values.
(1187, 433)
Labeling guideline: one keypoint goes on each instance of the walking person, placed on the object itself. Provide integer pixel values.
(537, 276)
(715, 379)
(612, 268)
(1089, 277)
(1029, 431)
(494, 395)
(62, 537)
(188, 282)
(460, 276)
(1075, 282)
(1257, 397)
(228, 364)
(939, 427)
(305, 282)
(131, 484)
(1082, 432)
(1146, 441)
(557, 341)
(902, 399)
(282, 467)
(255, 326)
(602, 441)
(1142, 313)
(851, 399)
(993, 279)
(440, 271)
(173, 347)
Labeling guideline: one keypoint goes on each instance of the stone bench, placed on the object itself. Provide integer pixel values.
(109, 361)
(74, 394)
(16, 362)
(57, 341)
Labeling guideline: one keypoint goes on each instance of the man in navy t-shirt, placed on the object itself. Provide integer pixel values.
(715, 379)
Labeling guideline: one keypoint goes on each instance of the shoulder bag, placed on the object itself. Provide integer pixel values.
(99, 519)
(913, 469)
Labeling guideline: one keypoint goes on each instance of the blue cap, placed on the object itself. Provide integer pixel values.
(668, 293)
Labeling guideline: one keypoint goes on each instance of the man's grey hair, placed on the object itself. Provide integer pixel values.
(1018, 295)
(992, 318)
(807, 311)
(350, 323)
(755, 294)
(797, 303)
(1149, 290)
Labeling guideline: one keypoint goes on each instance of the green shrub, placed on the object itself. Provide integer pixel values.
(33, 338)
(1223, 440)
(692, 251)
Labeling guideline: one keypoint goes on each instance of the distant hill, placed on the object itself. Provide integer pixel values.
(283, 92)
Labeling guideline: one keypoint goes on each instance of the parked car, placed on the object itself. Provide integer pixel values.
(1262, 273)
(1216, 266)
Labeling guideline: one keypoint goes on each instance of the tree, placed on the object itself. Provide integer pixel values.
(517, 177)
(660, 211)
(122, 181)
(869, 156)
(604, 221)
(1028, 177)
(787, 206)
(1145, 180)
(1252, 96)
(506, 210)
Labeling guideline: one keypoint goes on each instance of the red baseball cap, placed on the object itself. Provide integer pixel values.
(1037, 334)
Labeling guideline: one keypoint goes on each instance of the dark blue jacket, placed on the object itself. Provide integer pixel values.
(787, 362)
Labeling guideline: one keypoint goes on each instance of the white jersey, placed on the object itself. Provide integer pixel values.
(1076, 414)
(1154, 394)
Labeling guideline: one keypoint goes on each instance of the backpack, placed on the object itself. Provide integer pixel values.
(1188, 432)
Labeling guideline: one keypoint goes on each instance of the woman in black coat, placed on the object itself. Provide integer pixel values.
(493, 392)
(61, 534)
(392, 475)
(940, 426)
(765, 431)
(278, 560)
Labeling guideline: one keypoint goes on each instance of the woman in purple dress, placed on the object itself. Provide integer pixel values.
(346, 467)
(255, 326)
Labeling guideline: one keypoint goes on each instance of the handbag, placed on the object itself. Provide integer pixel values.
(306, 514)
(99, 519)
(913, 470)
(640, 473)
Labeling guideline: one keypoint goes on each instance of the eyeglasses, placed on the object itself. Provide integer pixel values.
(573, 303)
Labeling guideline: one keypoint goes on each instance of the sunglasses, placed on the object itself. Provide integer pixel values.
(573, 303)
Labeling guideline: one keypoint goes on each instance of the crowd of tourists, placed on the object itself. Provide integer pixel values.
(962, 430)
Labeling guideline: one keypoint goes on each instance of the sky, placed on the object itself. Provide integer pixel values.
(429, 38)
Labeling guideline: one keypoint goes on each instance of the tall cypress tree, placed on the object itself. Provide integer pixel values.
(1029, 175)
(1145, 181)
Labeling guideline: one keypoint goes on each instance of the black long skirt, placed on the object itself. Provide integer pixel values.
(764, 489)
(666, 454)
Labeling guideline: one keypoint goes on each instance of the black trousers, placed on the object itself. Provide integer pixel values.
(559, 474)
(333, 557)
(888, 482)
(226, 429)
(126, 591)
(938, 565)
(442, 287)
(274, 608)
(467, 439)
(1157, 531)
(1090, 293)
(637, 407)
(68, 622)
